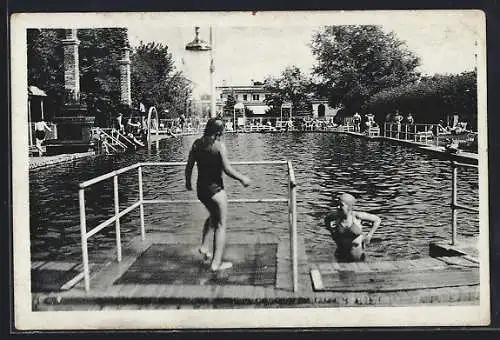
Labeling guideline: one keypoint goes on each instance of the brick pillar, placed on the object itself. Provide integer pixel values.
(71, 65)
(126, 96)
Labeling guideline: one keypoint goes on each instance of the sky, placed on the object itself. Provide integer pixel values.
(444, 44)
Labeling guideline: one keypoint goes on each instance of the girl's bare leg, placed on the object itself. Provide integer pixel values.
(205, 246)
(219, 215)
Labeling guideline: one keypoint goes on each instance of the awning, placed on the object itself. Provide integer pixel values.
(35, 91)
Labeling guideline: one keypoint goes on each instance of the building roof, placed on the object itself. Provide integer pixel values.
(241, 88)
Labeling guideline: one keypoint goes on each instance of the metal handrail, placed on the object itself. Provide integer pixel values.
(454, 204)
(114, 139)
(119, 134)
(425, 132)
(85, 235)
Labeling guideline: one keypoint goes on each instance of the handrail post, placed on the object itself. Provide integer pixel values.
(141, 200)
(83, 234)
(293, 225)
(453, 204)
(406, 131)
(117, 220)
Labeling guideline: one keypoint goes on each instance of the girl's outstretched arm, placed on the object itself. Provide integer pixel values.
(364, 216)
(228, 169)
(189, 170)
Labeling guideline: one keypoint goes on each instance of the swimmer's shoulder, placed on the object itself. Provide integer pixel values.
(218, 146)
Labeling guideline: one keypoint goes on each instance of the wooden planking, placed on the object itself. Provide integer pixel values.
(57, 265)
(399, 280)
(248, 296)
(316, 280)
(37, 264)
(458, 260)
(381, 266)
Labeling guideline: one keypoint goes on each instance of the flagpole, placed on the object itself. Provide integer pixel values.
(212, 75)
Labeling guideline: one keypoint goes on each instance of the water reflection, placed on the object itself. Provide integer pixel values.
(408, 190)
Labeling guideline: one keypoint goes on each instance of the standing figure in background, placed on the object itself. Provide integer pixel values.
(357, 122)
(397, 120)
(409, 119)
(40, 133)
(119, 123)
(182, 121)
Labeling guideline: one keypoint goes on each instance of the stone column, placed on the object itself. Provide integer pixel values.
(71, 66)
(126, 96)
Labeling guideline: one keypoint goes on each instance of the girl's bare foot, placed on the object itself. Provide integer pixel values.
(221, 266)
(207, 255)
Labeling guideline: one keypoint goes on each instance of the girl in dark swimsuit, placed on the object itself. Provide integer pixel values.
(209, 154)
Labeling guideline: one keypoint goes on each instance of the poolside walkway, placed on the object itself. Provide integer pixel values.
(38, 162)
(439, 151)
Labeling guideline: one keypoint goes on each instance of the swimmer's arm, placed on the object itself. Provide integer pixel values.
(189, 170)
(364, 216)
(228, 169)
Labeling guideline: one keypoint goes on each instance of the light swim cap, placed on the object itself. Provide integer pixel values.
(347, 198)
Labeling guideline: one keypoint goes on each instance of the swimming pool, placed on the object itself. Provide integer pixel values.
(410, 191)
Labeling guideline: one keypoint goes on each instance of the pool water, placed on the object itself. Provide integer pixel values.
(410, 191)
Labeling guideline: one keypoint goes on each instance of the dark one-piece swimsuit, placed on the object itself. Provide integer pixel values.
(209, 163)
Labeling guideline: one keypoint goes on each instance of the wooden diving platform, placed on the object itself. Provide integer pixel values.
(166, 271)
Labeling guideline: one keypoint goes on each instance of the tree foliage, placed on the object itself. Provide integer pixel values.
(431, 99)
(229, 105)
(291, 86)
(156, 82)
(45, 64)
(355, 62)
(99, 52)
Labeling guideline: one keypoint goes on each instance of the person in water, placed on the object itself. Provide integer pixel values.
(210, 155)
(346, 228)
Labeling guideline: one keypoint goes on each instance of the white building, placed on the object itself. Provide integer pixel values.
(322, 110)
(252, 96)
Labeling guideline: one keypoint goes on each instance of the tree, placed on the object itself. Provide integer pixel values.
(292, 86)
(431, 99)
(155, 82)
(355, 62)
(99, 52)
(45, 66)
(229, 105)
